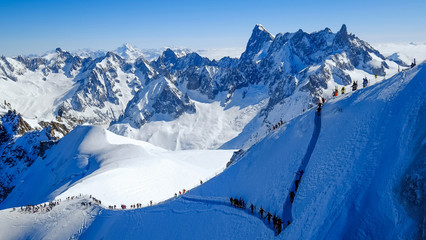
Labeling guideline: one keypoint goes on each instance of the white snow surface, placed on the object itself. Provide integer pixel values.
(349, 189)
(209, 127)
(115, 169)
(34, 97)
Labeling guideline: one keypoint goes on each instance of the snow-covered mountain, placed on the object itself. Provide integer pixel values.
(287, 72)
(181, 100)
(363, 178)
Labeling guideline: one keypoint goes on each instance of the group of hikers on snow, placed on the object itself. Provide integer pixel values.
(354, 87)
(46, 207)
(296, 185)
(277, 222)
(276, 126)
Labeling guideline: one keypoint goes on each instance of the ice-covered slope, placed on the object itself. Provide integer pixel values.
(115, 169)
(364, 179)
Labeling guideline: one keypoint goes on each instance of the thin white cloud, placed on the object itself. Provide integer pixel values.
(407, 51)
(218, 53)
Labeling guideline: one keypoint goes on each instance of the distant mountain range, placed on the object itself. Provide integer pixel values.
(180, 100)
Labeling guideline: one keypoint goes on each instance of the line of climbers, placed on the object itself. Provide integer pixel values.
(278, 223)
(46, 207)
(296, 185)
(354, 87)
(276, 126)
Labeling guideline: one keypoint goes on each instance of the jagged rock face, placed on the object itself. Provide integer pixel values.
(161, 100)
(20, 146)
(259, 40)
(10, 71)
(14, 124)
(105, 87)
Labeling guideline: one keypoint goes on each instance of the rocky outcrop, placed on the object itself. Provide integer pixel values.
(20, 146)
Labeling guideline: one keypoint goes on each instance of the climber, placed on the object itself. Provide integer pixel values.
(343, 90)
(235, 202)
(252, 207)
(201, 182)
(296, 184)
(269, 215)
(292, 195)
(231, 200)
(279, 225)
(365, 82)
(323, 100)
(299, 173)
(319, 108)
(261, 211)
(354, 86)
(413, 64)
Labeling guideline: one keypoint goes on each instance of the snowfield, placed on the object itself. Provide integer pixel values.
(354, 185)
(114, 169)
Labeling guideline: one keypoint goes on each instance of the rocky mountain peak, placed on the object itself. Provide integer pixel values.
(259, 37)
(342, 38)
(14, 123)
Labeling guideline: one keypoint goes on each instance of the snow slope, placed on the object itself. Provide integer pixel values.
(352, 188)
(34, 95)
(208, 128)
(114, 169)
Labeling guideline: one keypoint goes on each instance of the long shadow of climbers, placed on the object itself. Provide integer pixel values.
(288, 204)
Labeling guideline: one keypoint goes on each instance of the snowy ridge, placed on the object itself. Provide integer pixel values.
(115, 169)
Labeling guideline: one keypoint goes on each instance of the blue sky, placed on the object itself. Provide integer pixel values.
(38, 26)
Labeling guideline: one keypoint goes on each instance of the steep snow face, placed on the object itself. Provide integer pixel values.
(114, 169)
(210, 126)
